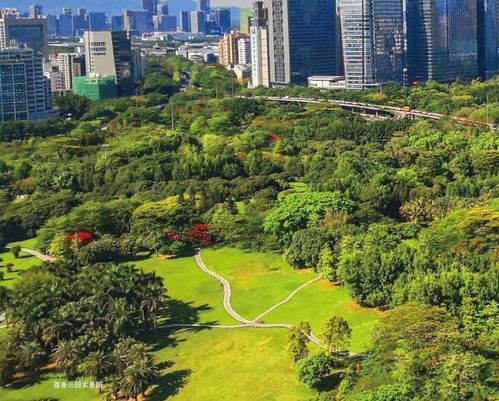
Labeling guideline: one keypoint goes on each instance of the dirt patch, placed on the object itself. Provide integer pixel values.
(354, 306)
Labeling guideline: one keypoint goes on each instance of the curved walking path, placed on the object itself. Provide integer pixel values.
(36, 254)
(230, 310)
(289, 298)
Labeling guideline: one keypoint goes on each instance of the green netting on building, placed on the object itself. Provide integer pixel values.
(96, 88)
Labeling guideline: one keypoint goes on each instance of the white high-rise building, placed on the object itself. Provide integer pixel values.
(259, 42)
(260, 70)
(24, 90)
(244, 51)
(71, 65)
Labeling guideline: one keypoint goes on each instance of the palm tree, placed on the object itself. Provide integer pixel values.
(95, 365)
(6, 367)
(30, 356)
(133, 382)
(119, 356)
(66, 356)
(121, 316)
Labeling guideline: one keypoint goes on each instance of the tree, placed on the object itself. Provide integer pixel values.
(67, 357)
(327, 263)
(30, 356)
(15, 250)
(336, 334)
(301, 210)
(74, 106)
(95, 365)
(305, 247)
(313, 370)
(298, 341)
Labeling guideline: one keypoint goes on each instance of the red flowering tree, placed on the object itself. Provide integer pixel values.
(199, 235)
(81, 237)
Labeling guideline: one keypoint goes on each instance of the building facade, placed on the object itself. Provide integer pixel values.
(302, 40)
(31, 33)
(373, 42)
(442, 40)
(110, 54)
(71, 66)
(24, 93)
(259, 41)
(197, 22)
(244, 51)
(488, 38)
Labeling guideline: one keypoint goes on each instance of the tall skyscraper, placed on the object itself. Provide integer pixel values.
(139, 21)
(109, 54)
(97, 21)
(222, 19)
(185, 21)
(442, 40)
(488, 39)
(260, 69)
(117, 23)
(29, 32)
(373, 42)
(66, 23)
(23, 93)
(162, 9)
(197, 22)
(35, 11)
(150, 5)
(302, 40)
(204, 6)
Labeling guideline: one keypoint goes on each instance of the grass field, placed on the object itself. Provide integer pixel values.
(24, 262)
(243, 364)
(227, 365)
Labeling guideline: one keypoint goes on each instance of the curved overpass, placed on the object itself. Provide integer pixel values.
(380, 111)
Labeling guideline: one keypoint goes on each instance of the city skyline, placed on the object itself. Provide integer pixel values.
(111, 7)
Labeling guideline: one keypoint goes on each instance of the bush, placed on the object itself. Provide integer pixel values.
(15, 251)
(312, 371)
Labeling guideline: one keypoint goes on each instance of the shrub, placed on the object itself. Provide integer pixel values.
(15, 251)
(312, 371)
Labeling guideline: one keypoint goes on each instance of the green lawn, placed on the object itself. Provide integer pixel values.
(24, 262)
(45, 389)
(258, 280)
(221, 364)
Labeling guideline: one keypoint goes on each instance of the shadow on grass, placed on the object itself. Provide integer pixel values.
(24, 382)
(170, 384)
(178, 312)
(184, 312)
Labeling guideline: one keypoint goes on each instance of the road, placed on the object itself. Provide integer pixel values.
(397, 113)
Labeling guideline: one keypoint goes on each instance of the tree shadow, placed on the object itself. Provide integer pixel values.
(184, 312)
(178, 313)
(24, 382)
(170, 384)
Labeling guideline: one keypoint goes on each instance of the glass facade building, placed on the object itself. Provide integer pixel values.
(373, 42)
(488, 38)
(302, 40)
(442, 40)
